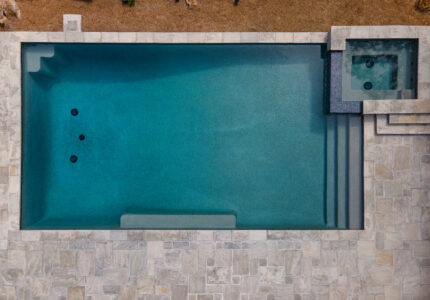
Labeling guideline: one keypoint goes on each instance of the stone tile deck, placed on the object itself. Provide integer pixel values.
(389, 259)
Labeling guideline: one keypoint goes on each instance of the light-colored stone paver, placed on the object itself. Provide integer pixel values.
(76, 293)
(383, 127)
(404, 106)
(409, 119)
(72, 23)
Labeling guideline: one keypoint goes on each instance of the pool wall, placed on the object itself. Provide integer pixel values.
(386, 260)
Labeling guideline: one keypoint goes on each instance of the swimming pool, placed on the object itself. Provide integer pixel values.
(186, 136)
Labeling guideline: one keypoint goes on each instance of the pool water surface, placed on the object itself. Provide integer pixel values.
(242, 130)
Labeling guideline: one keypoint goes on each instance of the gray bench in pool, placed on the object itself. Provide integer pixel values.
(150, 221)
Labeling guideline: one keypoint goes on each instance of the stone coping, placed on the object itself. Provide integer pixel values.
(396, 106)
(339, 34)
(166, 37)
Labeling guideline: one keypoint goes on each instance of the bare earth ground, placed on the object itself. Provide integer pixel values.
(217, 15)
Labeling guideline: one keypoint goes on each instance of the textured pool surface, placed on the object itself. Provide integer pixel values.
(229, 130)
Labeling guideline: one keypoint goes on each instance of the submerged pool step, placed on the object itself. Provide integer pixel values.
(331, 171)
(46, 68)
(33, 55)
(60, 59)
(48, 65)
(349, 172)
(344, 187)
(342, 171)
(45, 76)
(355, 171)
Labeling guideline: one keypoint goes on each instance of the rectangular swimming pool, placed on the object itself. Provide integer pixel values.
(184, 136)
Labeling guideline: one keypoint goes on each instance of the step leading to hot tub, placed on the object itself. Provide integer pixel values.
(409, 119)
(383, 127)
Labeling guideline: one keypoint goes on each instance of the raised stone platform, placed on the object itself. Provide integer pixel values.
(399, 116)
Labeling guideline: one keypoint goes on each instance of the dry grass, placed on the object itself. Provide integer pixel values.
(218, 15)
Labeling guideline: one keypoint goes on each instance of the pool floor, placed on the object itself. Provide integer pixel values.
(177, 129)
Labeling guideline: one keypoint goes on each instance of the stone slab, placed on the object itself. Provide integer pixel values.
(409, 119)
(404, 106)
(383, 127)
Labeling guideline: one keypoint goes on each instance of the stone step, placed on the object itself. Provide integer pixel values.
(404, 106)
(383, 127)
(46, 68)
(33, 55)
(60, 59)
(409, 119)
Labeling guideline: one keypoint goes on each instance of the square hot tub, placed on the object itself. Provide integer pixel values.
(379, 69)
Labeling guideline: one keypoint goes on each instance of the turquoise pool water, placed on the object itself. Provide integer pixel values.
(379, 69)
(178, 129)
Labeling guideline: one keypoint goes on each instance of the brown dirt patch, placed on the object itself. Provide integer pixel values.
(217, 15)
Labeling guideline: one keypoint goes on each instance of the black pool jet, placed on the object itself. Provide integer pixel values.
(367, 85)
(370, 63)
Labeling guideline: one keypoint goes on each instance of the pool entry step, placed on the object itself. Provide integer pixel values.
(43, 62)
(344, 184)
